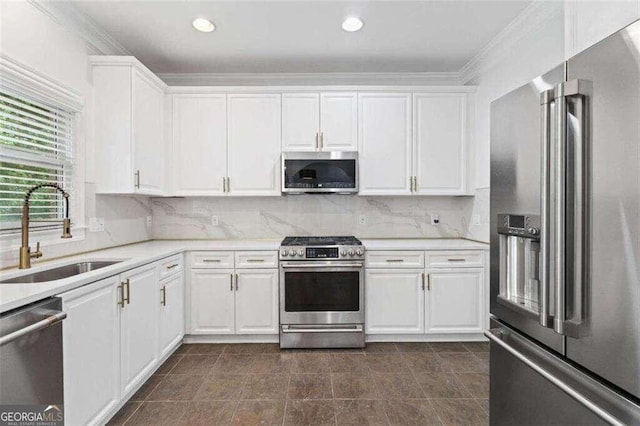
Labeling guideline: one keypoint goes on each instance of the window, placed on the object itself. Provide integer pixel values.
(35, 147)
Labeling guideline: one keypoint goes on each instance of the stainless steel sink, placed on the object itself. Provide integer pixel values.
(60, 272)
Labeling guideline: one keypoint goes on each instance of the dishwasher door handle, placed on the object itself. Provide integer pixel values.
(37, 326)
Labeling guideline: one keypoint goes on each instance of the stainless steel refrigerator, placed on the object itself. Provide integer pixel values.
(565, 242)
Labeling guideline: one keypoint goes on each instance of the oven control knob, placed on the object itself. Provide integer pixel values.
(352, 252)
(360, 252)
(533, 231)
(343, 252)
(300, 252)
(285, 253)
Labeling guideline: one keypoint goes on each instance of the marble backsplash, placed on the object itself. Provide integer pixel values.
(275, 217)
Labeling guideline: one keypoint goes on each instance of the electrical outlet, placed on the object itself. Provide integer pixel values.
(362, 219)
(475, 219)
(149, 221)
(214, 220)
(435, 219)
(96, 224)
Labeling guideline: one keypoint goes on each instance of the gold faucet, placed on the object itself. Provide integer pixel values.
(25, 250)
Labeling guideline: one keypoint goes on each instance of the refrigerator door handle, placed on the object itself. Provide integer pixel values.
(545, 317)
(571, 255)
(496, 336)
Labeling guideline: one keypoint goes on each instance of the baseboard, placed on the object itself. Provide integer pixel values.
(268, 338)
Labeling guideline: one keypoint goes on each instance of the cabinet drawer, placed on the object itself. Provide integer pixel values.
(453, 259)
(171, 265)
(212, 259)
(256, 259)
(394, 259)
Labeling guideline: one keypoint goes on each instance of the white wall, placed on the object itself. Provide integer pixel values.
(31, 38)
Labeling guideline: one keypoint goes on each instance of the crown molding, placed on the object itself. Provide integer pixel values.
(67, 15)
(531, 19)
(17, 77)
(315, 79)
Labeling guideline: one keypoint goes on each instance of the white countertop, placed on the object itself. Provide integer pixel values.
(15, 295)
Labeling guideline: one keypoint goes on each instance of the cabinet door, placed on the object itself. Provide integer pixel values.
(254, 144)
(339, 121)
(384, 122)
(440, 163)
(257, 301)
(139, 326)
(300, 121)
(91, 348)
(212, 296)
(148, 145)
(199, 144)
(454, 301)
(394, 301)
(171, 301)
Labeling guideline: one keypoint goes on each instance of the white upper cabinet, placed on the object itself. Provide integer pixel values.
(338, 121)
(588, 22)
(300, 121)
(440, 143)
(320, 121)
(199, 144)
(254, 133)
(128, 127)
(385, 146)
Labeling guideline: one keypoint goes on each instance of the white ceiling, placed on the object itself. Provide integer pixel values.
(303, 36)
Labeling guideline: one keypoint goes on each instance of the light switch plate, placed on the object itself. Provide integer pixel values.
(362, 219)
(96, 224)
(214, 220)
(149, 221)
(475, 219)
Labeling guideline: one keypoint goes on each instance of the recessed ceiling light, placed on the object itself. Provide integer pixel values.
(352, 24)
(204, 25)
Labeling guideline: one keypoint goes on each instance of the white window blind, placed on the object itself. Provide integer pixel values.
(36, 142)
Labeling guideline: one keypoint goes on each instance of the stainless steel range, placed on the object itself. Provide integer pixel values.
(321, 292)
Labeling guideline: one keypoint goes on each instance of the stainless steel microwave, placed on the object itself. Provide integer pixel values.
(319, 172)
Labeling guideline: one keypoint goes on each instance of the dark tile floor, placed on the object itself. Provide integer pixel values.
(386, 383)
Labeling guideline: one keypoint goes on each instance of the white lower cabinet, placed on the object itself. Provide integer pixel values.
(171, 313)
(91, 347)
(139, 325)
(256, 301)
(434, 300)
(454, 300)
(212, 298)
(394, 301)
(234, 300)
(116, 332)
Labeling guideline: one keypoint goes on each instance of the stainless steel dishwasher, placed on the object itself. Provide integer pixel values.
(31, 354)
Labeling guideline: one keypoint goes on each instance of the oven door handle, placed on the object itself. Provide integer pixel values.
(354, 329)
(317, 265)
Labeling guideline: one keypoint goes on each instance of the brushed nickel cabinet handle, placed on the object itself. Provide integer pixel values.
(121, 301)
(172, 266)
(228, 184)
(236, 282)
(321, 140)
(423, 280)
(210, 260)
(395, 260)
(224, 184)
(317, 140)
(255, 260)
(428, 282)
(137, 179)
(128, 284)
(231, 282)
(163, 290)
(456, 260)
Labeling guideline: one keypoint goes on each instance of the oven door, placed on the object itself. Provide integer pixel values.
(321, 292)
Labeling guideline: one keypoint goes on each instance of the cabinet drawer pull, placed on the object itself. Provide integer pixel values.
(395, 260)
(172, 266)
(255, 260)
(231, 282)
(163, 290)
(211, 260)
(456, 260)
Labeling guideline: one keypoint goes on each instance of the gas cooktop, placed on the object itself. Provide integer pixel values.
(321, 241)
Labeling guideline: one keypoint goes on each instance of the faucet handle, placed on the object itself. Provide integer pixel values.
(37, 253)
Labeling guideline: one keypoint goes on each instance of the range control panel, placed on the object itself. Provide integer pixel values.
(525, 226)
